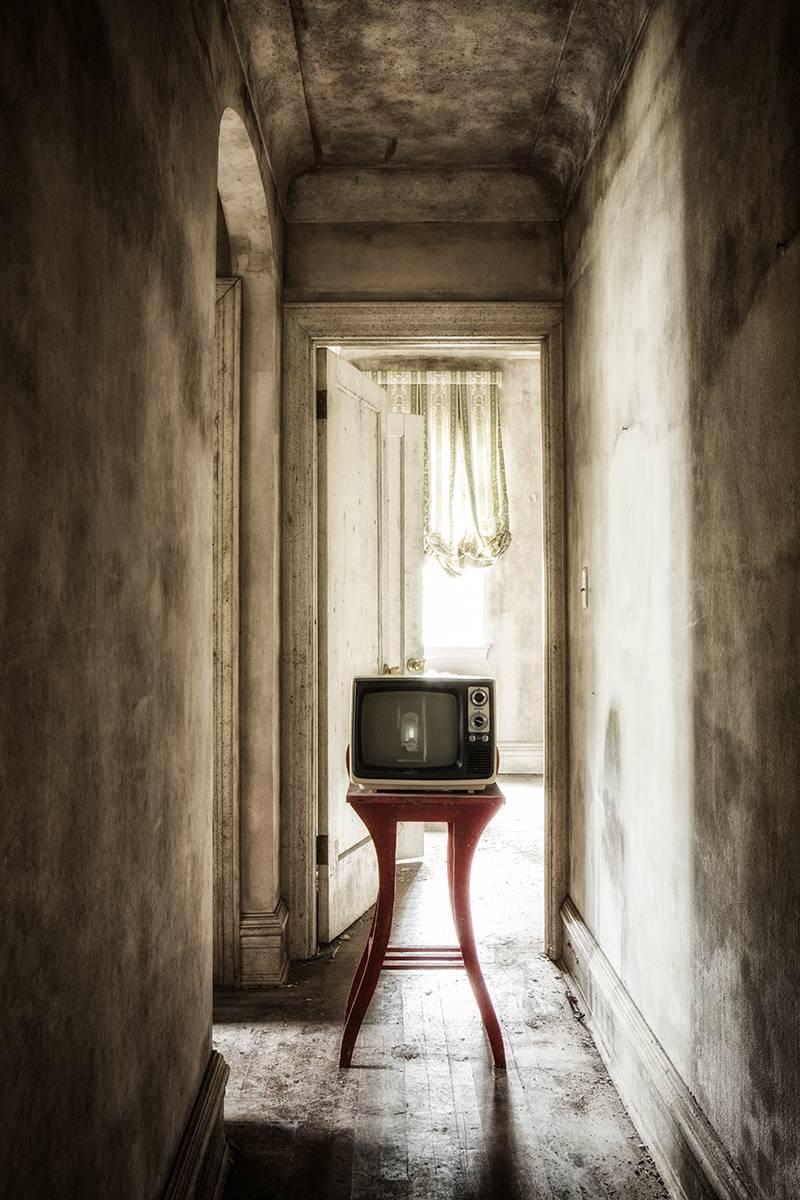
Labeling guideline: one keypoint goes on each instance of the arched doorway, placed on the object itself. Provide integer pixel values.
(249, 916)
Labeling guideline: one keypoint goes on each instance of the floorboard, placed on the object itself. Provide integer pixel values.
(421, 1115)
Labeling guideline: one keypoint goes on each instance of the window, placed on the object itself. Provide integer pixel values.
(453, 608)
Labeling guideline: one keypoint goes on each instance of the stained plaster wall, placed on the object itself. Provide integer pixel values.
(105, 558)
(683, 455)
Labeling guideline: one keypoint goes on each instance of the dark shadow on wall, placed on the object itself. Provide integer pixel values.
(224, 261)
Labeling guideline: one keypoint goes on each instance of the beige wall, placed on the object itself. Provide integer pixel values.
(683, 453)
(514, 584)
(105, 558)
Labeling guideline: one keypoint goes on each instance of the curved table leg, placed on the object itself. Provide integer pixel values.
(464, 838)
(362, 962)
(384, 838)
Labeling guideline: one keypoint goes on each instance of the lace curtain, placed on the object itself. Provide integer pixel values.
(466, 498)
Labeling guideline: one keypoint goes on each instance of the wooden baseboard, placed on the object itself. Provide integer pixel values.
(687, 1151)
(199, 1169)
(263, 948)
(521, 758)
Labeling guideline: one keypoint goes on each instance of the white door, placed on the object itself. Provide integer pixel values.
(370, 602)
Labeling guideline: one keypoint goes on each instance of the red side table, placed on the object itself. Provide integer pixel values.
(467, 814)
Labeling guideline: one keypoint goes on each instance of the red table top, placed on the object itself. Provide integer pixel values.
(426, 799)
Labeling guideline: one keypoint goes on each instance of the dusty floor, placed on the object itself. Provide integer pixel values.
(421, 1114)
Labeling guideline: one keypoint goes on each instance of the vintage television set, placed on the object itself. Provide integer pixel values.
(423, 732)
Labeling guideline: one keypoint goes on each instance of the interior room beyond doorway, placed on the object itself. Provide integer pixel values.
(486, 620)
(430, 559)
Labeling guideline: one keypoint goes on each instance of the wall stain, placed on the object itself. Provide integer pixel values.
(613, 830)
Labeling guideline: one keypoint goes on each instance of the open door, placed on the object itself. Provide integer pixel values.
(370, 603)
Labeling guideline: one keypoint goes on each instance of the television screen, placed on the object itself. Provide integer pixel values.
(403, 728)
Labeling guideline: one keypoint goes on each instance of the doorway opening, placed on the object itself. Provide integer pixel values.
(307, 328)
(445, 561)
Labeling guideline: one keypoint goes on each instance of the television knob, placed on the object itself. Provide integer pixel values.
(415, 665)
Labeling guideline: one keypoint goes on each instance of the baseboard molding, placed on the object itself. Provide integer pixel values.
(687, 1151)
(199, 1169)
(263, 947)
(521, 758)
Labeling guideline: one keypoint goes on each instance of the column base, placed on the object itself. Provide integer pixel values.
(263, 947)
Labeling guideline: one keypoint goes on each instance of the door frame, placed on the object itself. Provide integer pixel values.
(305, 328)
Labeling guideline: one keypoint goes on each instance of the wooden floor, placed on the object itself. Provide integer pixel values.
(421, 1114)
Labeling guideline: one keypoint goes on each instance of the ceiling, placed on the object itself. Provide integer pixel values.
(426, 86)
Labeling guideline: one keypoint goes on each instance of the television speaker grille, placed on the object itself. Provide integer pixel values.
(479, 757)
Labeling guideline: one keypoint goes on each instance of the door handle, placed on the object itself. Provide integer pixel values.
(415, 665)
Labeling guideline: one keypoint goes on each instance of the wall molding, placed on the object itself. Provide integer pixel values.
(201, 1163)
(264, 953)
(307, 326)
(686, 1149)
(521, 758)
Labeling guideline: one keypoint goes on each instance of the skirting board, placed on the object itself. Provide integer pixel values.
(263, 949)
(521, 758)
(687, 1151)
(200, 1166)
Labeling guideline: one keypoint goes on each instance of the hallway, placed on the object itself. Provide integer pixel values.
(202, 197)
(421, 1113)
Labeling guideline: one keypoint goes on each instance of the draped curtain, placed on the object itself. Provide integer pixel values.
(466, 498)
